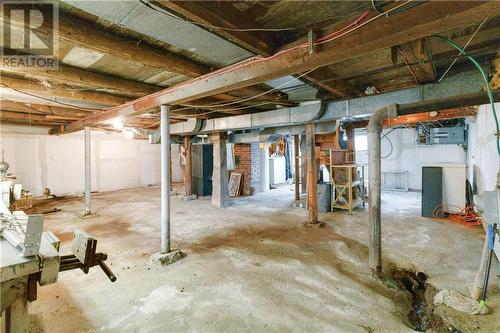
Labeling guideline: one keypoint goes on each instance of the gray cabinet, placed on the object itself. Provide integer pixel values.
(432, 193)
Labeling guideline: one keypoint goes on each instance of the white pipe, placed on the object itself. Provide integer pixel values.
(88, 184)
(165, 179)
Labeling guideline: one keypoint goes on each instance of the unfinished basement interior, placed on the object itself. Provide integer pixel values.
(250, 166)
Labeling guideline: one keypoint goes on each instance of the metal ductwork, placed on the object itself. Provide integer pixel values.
(318, 112)
(189, 127)
(308, 112)
(374, 160)
(266, 135)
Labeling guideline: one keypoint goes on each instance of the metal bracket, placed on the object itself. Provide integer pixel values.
(311, 36)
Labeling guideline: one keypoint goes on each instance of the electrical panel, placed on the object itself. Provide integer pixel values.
(456, 135)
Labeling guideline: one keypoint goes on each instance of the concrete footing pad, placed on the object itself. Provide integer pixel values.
(316, 225)
(159, 259)
(189, 197)
(88, 215)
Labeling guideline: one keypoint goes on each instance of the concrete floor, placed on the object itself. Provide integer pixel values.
(252, 267)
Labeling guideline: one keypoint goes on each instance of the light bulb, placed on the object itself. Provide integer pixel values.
(117, 123)
(129, 134)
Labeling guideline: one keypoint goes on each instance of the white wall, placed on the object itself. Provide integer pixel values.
(409, 156)
(57, 162)
(482, 154)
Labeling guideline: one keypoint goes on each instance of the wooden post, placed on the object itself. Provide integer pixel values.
(350, 146)
(312, 176)
(187, 167)
(349, 131)
(303, 165)
(296, 166)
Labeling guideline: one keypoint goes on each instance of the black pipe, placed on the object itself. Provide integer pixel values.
(447, 103)
(488, 266)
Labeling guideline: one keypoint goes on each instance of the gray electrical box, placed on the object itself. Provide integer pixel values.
(448, 135)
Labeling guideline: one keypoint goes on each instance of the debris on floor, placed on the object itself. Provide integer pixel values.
(459, 302)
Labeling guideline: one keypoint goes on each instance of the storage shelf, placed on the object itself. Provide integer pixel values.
(348, 190)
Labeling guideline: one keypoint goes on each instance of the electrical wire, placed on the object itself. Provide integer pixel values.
(405, 59)
(53, 101)
(486, 82)
(356, 24)
(465, 46)
(255, 96)
(465, 216)
(390, 142)
(222, 110)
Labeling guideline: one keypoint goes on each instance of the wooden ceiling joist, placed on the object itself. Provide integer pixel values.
(75, 76)
(78, 32)
(419, 62)
(258, 42)
(323, 78)
(51, 90)
(32, 108)
(384, 32)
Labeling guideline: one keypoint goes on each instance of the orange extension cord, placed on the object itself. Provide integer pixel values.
(465, 216)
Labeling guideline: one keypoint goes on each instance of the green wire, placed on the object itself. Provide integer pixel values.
(485, 78)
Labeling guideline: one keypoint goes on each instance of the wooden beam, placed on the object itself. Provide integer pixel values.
(334, 88)
(22, 107)
(37, 88)
(418, 22)
(350, 146)
(75, 31)
(495, 79)
(78, 32)
(9, 115)
(80, 77)
(31, 122)
(324, 79)
(225, 15)
(75, 76)
(258, 42)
